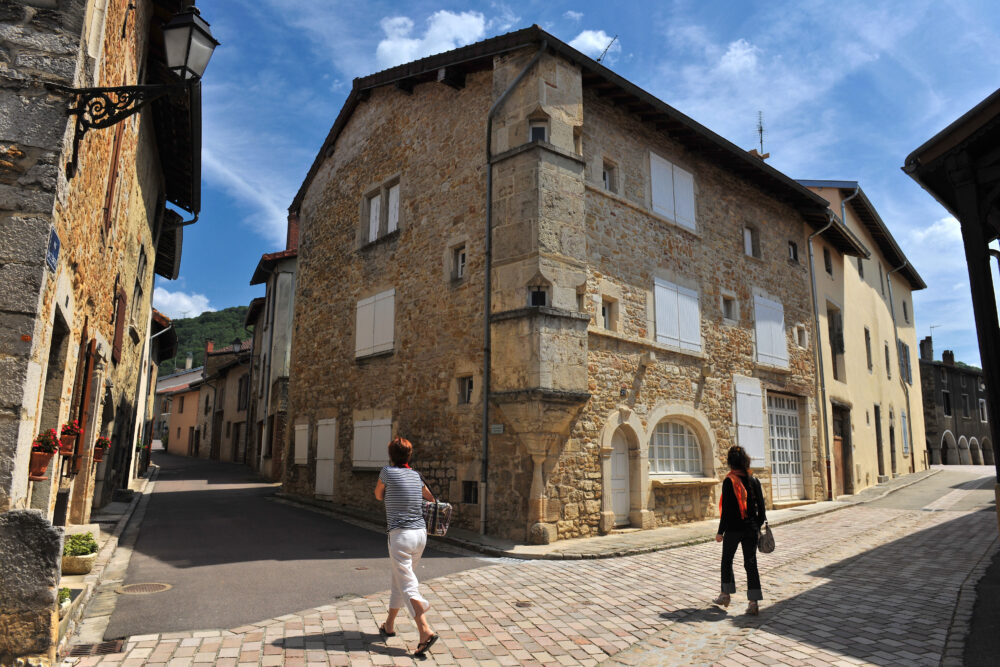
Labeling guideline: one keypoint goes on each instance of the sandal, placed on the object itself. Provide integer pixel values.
(423, 646)
(722, 600)
(385, 633)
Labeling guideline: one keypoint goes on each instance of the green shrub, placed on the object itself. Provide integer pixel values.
(63, 594)
(80, 545)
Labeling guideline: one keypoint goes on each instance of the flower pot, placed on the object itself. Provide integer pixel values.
(38, 465)
(67, 445)
(78, 564)
(99, 453)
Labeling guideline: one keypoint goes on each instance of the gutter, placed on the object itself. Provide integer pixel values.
(488, 287)
(821, 377)
(902, 380)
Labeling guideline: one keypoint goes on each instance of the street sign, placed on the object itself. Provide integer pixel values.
(496, 429)
(52, 253)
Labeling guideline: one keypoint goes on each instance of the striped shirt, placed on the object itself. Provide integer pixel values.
(404, 507)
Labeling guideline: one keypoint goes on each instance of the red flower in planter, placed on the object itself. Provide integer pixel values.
(47, 441)
(102, 443)
(71, 428)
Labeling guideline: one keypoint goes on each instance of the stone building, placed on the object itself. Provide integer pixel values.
(956, 415)
(222, 402)
(868, 345)
(645, 312)
(271, 319)
(178, 396)
(83, 229)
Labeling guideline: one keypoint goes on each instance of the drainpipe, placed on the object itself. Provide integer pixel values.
(902, 380)
(488, 287)
(821, 378)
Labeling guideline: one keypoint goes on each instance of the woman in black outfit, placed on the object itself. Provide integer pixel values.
(741, 511)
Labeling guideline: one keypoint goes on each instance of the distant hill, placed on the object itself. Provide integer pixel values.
(221, 326)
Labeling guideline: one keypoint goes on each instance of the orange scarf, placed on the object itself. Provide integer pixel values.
(739, 490)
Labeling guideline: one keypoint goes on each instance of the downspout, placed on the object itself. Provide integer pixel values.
(821, 377)
(250, 402)
(488, 286)
(902, 380)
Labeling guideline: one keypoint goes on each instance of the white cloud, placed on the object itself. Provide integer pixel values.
(445, 31)
(593, 43)
(740, 58)
(946, 230)
(504, 21)
(573, 16)
(180, 304)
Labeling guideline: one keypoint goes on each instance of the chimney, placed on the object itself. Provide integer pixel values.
(292, 238)
(189, 361)
(927, 349)
(758, 154)
(209, 347)
(948, 357)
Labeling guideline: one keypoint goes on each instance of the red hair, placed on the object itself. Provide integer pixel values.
(400, 450)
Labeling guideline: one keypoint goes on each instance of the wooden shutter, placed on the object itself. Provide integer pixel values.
(393, 213)
(667, 326)
(381, 435)
(661, 185)
(772, 348)
(362, 444)
(109, 193)
(326, 447)
(749, 400)
(120, 307)
(906, 436)
(748, 241)
(301, 444)
(689, 319)
(374, 216)
(384, 321)
(364, 332)
(684, 206)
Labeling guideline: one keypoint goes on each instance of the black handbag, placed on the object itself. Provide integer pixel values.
(765, 539)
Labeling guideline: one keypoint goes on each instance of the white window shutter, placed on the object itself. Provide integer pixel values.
(365, 329)
(906, 437)
(750, 417)
(779, 342)
(393, 217)
(748, 241)
(667, 326)
(772, 348)
(381, 435)
(689, 319)
(684, 205)
(661, 185)
(384, 321)
(301, 444)
(362, 444)
(374, 215)
(326, 447)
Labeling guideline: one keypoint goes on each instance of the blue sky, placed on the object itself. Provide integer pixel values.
(847, 90)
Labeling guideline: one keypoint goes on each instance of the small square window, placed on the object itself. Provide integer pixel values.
(801, 338)
(465, 390)
(470, 493)
(609, 314)
(609, 176)
(828, 261)
(946, 403)
(906, 313)
(537, 296)
(458, 263)
(751, 242)
(539, 130)
(793, 251)
(729, 308)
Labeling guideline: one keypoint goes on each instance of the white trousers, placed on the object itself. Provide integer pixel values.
(406, 545)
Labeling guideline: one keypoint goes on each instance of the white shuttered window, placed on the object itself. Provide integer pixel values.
(374, 216)
(678, 316)
(772, 348)
(301, 444)
(749, 410)
(374, 332)
(371, 442)
(672, 190)
(393, 214)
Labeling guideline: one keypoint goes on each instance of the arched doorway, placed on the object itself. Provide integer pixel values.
(949, 449)
(624, 473)
(964, 455)
(976, 452)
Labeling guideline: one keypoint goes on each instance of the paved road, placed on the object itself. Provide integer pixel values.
(234, 555)
(869, 584)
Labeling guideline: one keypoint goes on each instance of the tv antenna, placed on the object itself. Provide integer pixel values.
(760, 130)
(605, 51)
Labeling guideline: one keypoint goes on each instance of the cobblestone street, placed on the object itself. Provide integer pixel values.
(863, 585)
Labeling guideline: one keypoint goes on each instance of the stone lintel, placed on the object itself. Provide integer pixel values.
(541, 146)
(560, 396)
(539, 311)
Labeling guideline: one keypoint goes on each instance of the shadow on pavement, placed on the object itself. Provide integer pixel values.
(342, 641)
(711, 614)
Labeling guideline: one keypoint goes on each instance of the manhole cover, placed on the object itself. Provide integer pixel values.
(522, 603)
(104, 648)
(143, 589)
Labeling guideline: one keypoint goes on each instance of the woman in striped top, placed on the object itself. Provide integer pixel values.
(404, 491)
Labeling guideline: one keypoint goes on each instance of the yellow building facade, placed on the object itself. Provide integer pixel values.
(871, 401)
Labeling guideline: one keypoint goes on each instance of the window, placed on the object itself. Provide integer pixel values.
(965, 405)
(371, 440)
(828, 261)
(881, 280)
(672, 191)
(243, 392)
(178, 431)
(678, 316)
(835, 329)
(470, 493)
(609, 314)
(793, 252)
(300, 444)
(888, 364)
(730, 310)
(906, 313)
(121, 303)
(180, 408)
(906, 434)
(140, 273)
(801, 337)
(537, 296)
(868, 348)
(207, 406)
(674, 449)
(769, 321)
(962, 380)
(609, 176)
(381, 211)
(946, 403)
(944, 376)
(538, 130)
(751, 242)
(375, 324)
(905, 370)
(465, 390)
(229, 426)
(861, 268)
(458, 263)
(982, 410)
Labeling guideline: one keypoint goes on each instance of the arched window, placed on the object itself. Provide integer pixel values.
(674, 449)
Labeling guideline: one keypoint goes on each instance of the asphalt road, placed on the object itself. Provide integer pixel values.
(234, 555)
(970, 488)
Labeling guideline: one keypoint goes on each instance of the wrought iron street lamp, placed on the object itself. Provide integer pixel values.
(188, 43)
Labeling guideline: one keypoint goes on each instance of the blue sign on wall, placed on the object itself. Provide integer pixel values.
(52, 254)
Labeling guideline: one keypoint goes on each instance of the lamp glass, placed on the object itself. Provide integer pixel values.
(175, 41)
(189, 44)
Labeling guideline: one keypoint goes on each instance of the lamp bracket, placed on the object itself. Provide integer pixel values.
(103, 107)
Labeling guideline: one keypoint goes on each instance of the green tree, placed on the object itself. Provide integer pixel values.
(222, 326)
